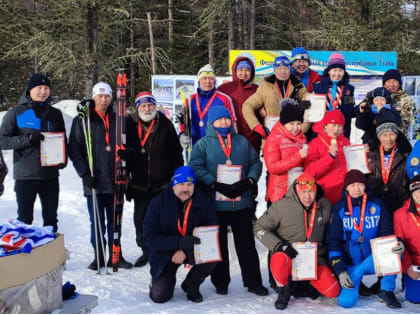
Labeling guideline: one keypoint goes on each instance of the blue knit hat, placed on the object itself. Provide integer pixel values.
(299, 53)
(281, 61)
(217, 112)
(183, 174)
(244, 64)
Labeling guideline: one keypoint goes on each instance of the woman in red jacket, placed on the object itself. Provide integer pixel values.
(325, 160)
(284, 151)
(407, 228)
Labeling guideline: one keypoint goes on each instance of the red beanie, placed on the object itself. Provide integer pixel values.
(305, 181)
(333, 117)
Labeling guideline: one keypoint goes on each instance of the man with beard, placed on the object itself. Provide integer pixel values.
(168, 226)
(153, 154)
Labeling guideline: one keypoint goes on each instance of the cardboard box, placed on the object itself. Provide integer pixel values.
(21, 268)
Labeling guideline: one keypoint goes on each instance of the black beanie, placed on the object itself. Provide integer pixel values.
(354, 176)
(290, 113)
(392, 74)
(37, 79)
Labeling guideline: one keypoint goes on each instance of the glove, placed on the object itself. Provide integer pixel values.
(187, 242)
(288, 250)
(127, 154)
(262, 130)
(184, 140)
(36, 137)
(129, 193)
(1, 189)
(61, 166)
(399, 249)
(88, 180)
(225, 189)
(345, 280)
(304, 105)
(240, 187)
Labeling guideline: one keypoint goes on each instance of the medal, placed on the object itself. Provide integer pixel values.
(308, 230)
(139, 131)
(228, 162)
(308, 244)
(142, 151)
(201, 114)
(361, 239)
(201, 124)
(385, 188)
(227, 149)
(385, 172)
(108, 148)
(358, 227)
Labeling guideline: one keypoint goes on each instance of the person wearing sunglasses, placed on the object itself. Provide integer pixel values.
(300, 62)
(266, 100)
(302, 215)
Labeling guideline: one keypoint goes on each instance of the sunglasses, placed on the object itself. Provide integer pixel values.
(206, 74)
(304, 183)
(282, 63)
(301, 56)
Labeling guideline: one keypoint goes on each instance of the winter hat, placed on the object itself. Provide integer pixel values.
(414, 183)
(382, 92)
(206, 71)
(101, 88)
(354, 176)
(336, 60)
(183, 174)
(244, 64)
(290, 112)
(384, 126)
(299, 53)
(37, 79)
(217, 112)
(144, 97)
(281, 61)
(305, 181)
(392, 74)
(333, 117)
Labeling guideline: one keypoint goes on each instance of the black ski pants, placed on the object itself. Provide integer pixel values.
(47, 190)
(105, 207)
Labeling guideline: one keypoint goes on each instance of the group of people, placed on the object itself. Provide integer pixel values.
(311, 195)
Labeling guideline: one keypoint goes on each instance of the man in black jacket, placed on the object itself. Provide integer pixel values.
(102, 123)
(21, 131)
(153, 154)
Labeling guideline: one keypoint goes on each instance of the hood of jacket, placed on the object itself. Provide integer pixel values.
(235, 78)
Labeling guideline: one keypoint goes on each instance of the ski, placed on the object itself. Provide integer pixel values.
(120, 166)
(186, 120)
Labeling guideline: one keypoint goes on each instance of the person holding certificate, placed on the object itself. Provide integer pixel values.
(168, 227)
(301, 216)
(356, 219)
(22, 131)
(407, 228)
(325, 159)
(226, 164)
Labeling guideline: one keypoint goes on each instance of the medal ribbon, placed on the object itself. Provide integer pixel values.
(197, 103)
(385, 172)
(308, 231)
(105, 120)
(183, 229)
(337, 101)
(149, 130)
(226, 149)
(287, 89)
(362, 212)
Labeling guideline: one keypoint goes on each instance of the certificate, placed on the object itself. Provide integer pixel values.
(317, 110)
(292, 174)
(270, 121)
(228, 174)
(53, 149)
(304, 265)
(385, 261)
(356, 158)
(208, 250)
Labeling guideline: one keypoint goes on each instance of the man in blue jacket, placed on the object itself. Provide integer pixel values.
(167, 230)
(356, 219)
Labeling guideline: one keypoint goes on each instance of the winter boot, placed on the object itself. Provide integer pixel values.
(191, 286)
(389, 298)
(313, 293)
(94, 264)
(122, 263)
(259, 290)
(143, 259)
(364, 290)
(376, 287)
(283, 298)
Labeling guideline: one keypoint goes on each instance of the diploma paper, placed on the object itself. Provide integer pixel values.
(305, 264)
(292, 174)
(385, 261)
(208, 250)
(356, 158)
(228, 175)
(270, 121)
(317, 110)
(53, 149)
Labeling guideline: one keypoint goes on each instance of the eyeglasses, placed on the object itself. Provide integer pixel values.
(304, 183)
(206, 74)
(301, 56)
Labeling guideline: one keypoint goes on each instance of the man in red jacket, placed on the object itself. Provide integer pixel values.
(242, 87)
(407, 229)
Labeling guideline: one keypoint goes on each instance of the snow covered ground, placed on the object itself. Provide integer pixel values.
(127, 290)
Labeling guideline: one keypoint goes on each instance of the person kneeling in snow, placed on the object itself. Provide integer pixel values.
(167, 230)
(356, 219)
(301, 216)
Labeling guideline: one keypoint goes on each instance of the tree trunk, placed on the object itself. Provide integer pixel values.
(211, 42)
(132, 68)
(231, 28)
(170, 30)
(252, 26)
(238, 15)
(152, 45)
(91, 30)
(245, 25)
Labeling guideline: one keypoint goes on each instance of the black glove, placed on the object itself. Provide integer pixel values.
(288, 250)
(127, 154)
(304, 105)
(129, 193)
(224, 189)
(36, 137)
(1, 189)
(240, 187)
(61, 166)
(187, 242)
(88, 180)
